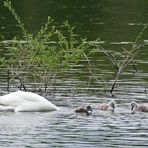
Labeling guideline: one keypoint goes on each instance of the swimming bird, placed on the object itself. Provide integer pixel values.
(88, 110)
(136, 107)
(21, 101)
(107, 106)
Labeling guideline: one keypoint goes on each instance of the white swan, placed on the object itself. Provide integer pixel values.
(21, 101)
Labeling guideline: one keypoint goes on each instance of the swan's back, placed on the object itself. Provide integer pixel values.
(26, 101)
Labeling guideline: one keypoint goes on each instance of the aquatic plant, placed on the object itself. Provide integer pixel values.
(42, 56)
(37, 59)
(126, 56)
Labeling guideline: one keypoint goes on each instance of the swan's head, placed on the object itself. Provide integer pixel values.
(134, 105)
(89, 109)
(112, 105)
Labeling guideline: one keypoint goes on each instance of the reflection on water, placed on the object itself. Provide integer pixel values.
(118, 24)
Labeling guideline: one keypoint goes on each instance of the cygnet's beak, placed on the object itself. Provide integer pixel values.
(113, 106)
(132, 108)
(91, 109)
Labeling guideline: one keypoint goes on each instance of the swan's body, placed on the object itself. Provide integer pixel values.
(20, 101)
(136, 107)
(107, 106)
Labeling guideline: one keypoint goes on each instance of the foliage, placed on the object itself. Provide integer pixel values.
(45, 54)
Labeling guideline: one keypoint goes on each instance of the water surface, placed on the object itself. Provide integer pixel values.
(117, 23)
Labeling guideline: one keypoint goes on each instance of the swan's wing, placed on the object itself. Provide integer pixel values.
(11, 100)
(25, 101)
(29, 96)
(36, 101)
(19, 97)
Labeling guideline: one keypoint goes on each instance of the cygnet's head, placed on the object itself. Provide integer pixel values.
(133, 105)
(112, 105)
(89, 109)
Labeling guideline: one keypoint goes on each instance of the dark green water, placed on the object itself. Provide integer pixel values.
(117, 23)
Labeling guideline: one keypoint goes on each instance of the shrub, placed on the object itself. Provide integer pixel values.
(44, 55)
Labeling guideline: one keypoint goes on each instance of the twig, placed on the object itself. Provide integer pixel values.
(8, 81)
(141, 33)
(111, 58)
(92, 73)
(52, 81)
(145, 90)
(125, 63)
(21, 83)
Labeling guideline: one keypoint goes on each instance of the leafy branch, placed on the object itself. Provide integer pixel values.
(43, 56)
